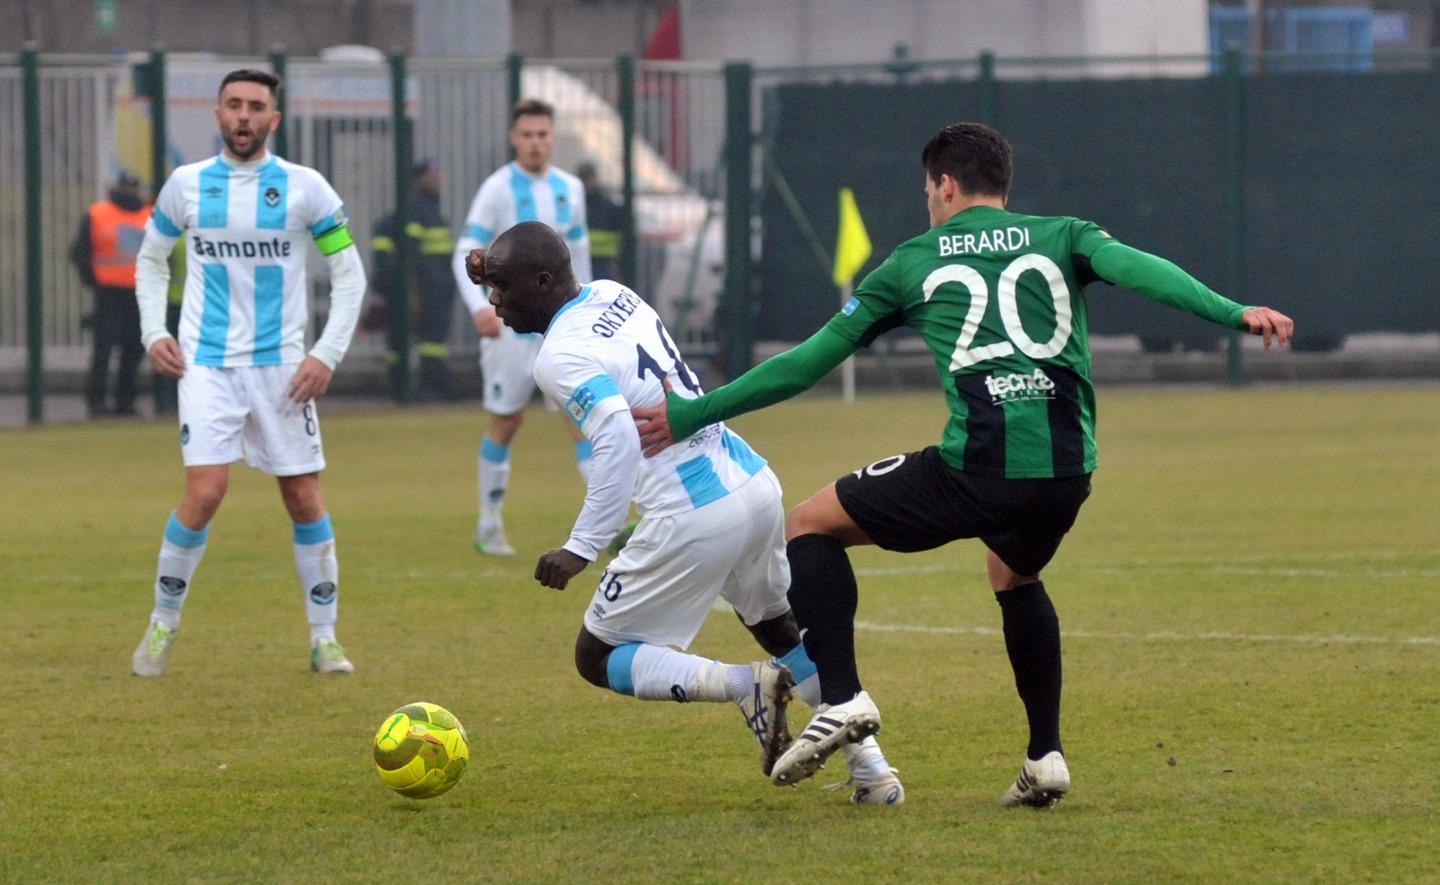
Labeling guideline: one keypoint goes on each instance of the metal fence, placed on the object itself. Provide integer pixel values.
(662, 121)
(674, 142)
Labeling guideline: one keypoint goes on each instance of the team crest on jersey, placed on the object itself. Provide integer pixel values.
(272, 197)
(184, 434)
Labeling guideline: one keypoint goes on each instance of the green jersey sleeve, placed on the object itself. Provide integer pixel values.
(778, 378)
(877, 305)
(1159, 280)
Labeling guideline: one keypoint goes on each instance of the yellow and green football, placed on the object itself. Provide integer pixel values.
(421, 750)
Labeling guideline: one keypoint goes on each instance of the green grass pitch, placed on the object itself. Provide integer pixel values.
(1252, 678)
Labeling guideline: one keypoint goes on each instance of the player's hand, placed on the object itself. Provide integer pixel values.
(311, 380)
(557, 567)
(487, 323)
(475, 267)
(653, 422)
(1269, 323)
(166, 357)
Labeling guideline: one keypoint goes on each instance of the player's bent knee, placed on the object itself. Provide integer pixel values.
(776, 635)
(591, 657)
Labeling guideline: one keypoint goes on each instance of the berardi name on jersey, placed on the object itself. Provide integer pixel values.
(213, 248)
(1001, 239)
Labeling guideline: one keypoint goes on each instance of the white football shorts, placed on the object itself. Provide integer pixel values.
(507, 368)
(245, 412)
(662, 585)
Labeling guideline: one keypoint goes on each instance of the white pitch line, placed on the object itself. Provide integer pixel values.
(1130, 569)
(1165, 636)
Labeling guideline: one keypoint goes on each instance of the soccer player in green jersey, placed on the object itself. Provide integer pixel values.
(999, 300)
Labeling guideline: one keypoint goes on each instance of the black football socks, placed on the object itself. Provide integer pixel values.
(1032, 639)
(823, 596)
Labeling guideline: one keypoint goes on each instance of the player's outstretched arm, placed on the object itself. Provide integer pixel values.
(1162, 280)
(1269, 323)
(778, 378)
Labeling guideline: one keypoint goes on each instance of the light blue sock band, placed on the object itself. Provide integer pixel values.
(583, 450)
(801, 667)
(617, 669)
(316, 532)
(493, 452)
(177, 534)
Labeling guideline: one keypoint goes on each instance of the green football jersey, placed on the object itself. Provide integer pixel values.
(998, 298)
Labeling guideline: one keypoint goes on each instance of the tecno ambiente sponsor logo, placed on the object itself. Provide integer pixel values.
(1020, 385)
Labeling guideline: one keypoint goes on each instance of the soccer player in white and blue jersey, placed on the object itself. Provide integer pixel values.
(711, 517)
(247, 385)
(527, 189)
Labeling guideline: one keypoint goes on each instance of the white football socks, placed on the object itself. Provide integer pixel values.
(494, 468)
(319, 571)
(180, 553)
(653, 673)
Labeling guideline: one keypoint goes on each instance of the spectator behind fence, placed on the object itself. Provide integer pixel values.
(103, 252)
(431, 245)
(607, 225)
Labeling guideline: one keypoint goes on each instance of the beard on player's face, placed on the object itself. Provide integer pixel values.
(245, 139)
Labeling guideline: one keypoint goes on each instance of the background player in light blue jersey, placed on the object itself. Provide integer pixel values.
(247, 386)
(711, 515)
(527, 189)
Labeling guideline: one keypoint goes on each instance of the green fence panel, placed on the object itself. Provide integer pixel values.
(1327, 233)
(1340, 180)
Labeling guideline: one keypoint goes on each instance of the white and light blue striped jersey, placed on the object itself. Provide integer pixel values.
(246, 293)
(607, 350)
(511, 195)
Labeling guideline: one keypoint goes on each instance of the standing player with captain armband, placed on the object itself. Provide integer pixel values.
(999, 299)
(711, 517)
(247, 386)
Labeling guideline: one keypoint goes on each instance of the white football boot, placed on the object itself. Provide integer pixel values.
(1041, 783)
(490, 540)
(833, 726)
(873, 784)
(326, 656)
(764, 710)
(153, 652)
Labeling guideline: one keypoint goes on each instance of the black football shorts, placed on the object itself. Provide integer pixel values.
(916, 502)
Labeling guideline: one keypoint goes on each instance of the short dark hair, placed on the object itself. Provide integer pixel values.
(253, 75)
(531, 107)
(975, 155)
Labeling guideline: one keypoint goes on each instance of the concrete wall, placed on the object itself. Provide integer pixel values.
(822, 32)
(235, 27)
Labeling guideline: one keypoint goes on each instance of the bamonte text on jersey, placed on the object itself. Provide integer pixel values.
(213, 248)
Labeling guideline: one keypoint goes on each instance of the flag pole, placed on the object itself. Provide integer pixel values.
(847, 368)
(852, 250)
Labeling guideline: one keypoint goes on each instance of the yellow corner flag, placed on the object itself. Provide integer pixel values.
(852, 243)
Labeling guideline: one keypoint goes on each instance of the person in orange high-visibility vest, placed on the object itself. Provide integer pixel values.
(104, 253)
